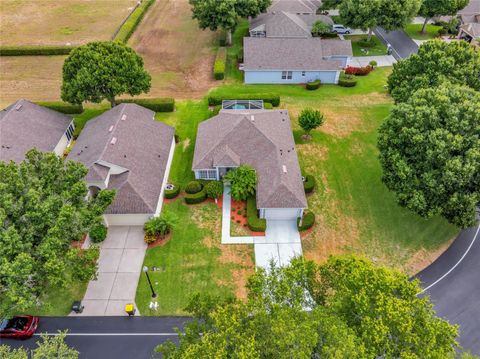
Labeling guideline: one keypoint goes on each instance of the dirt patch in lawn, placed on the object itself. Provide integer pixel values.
(177, 54)
(341, 122)
(423, 258)
(315, 151)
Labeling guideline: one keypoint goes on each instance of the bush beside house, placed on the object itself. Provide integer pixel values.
(347, 80)
(309, 183)
(313, 85)
(157, 228)
(255, 223)
(98, 233)
(172, 193)
(308, 221)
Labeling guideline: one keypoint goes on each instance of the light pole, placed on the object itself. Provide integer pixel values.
(145, 269)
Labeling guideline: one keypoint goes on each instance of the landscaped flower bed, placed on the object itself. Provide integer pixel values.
(238, 216)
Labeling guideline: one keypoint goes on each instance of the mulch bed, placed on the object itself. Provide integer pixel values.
(219, 201)
(79, 244)
(160, 241)
(241, 219)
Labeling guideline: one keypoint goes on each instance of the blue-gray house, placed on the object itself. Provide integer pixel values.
(294, 60)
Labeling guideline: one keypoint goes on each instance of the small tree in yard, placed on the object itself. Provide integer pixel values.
(320, 28)
(43, 208)
(102, 71)
(243, 181)
(434, 8)
(430, 153)
(309, 120)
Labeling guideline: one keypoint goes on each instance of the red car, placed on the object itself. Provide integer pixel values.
(19, 327)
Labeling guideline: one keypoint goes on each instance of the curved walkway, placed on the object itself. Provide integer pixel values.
(453, 284)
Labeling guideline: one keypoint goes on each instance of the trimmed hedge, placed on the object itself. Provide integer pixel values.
(266, 97)
(307, 222)
(40, 50)
(254, 223)
(347, 80)
(309, 183)
(219, 65)
(313, 85)
(98, 233)
(193, 187)
(133, 20)
(166, 104)
(62, 107)
(172, 193)
(358, 71)
(196, 197)
(267, 106)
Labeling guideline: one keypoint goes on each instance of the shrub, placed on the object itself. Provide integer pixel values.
(158, 226)
(267, 106)
(313, 85)
(222, 38)
(266, 97)
(62, 107)
(40, 50)
(193, 187)
(307, 222)
(359, 71)
(98, 233)
(347, 80)
(196, 197)
(133, 20)
(172, 193)
(373, 63)
(166, 104)
(254, 223)
(310, 119)
(219, 65)
(319, 28)
(365, 43)
(243, 181)
(214, 189)
(309, 183)
(442, 31)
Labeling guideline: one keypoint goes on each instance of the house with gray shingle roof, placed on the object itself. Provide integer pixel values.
(25, 125)
(126, 149)
(290, 60)
(470, 22)
(262, 139)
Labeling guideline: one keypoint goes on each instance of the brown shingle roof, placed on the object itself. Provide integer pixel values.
(310, 54)
(265, 142)
(25, 125)
(129, 138)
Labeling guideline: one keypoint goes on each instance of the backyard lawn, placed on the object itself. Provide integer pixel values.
(359, 49)
(414, 31)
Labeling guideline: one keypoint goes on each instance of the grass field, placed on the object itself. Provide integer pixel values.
(414, 31)
(50, 22)
(378, 47)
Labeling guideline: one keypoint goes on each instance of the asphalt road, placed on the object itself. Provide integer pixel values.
(109, 337)
(453, 284)
(403, 46)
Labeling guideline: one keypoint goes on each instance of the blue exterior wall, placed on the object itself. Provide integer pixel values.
(275, 77)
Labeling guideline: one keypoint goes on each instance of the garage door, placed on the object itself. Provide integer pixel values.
(282, 213)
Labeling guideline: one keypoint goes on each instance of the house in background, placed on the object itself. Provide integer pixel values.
(292, 60)
(25, 125)
(262, 139)
(470, 22)
(127, 150)
(294, 6)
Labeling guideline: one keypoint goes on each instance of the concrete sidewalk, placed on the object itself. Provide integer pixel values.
(382, 61)
(119, 268)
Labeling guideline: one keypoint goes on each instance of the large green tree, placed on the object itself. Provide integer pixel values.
(243, 182)
(436, 61)
(345, 308)
(49, 347)
(368, 14)
(102, 71)
(43, 208)
(224, 14)
(430, 153)
(433, 8)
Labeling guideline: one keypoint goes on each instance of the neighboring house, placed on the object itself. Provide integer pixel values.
(25, 125)
(294, 60)
(127, 150)
(470, 22)
(285, 24)
(262, 139)
(294, 6)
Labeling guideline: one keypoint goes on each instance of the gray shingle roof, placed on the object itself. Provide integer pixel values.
(295, 6)
(24, 125)
(472, 8)
(472, 29)
(264, 142)
(128, 137)
(294, 54)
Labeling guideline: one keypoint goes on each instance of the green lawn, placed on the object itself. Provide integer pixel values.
(414, 31)
(359, 49)
(232, 71)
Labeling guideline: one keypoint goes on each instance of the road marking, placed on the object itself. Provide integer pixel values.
(456, 264)
(109, 334)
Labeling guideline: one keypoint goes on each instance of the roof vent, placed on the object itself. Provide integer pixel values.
(110, 129)
(252, 118)
(124, 117)
(284, 168)
(113, 141)
(18, 107)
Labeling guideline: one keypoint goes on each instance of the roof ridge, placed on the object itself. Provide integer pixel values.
(127, 181)
(297, 20)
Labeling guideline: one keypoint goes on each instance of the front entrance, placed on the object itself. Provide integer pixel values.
(222, 171)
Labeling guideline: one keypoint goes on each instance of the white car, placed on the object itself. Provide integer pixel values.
(340, 29)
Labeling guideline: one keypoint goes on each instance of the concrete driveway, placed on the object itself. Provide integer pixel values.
(119, 268)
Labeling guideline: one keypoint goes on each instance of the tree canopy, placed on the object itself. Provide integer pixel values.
(224, 14)
(43, 208)
(102, 71)
(49, 347)
(345, 308)
(243, 182)
(433, 8)
(436, 61)
(430, 152)
(310, 119)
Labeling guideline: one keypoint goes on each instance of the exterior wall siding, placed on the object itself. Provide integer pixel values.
(275, 77)
(61, 146)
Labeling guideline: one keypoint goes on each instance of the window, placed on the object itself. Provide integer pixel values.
(256, 33)
(69, 132)
(286, 75)
(303, 73)
(207, 174)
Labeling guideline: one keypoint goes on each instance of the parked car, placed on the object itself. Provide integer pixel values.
(19, 327)
(340, 29)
